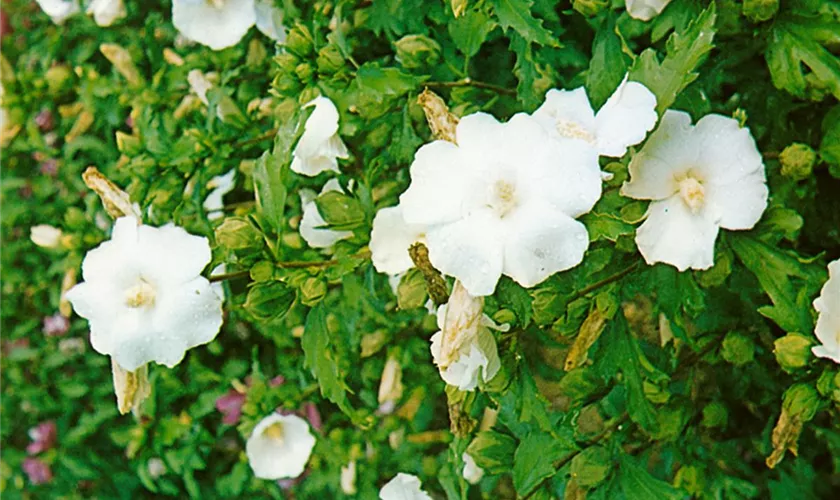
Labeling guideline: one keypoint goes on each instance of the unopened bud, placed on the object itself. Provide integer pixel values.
(590, 8)
(57, 78)
(330, 59)
(793, 351)
(390, 385)
(116, 201)
(172, 57)
(417, 51)
(304, 71)
(299, 40)
(128, 144)
(798, 161)
(237, 233)
(122, 61)
(759, 11)
(312, 291)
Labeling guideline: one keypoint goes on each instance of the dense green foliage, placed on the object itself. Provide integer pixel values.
(681, 390)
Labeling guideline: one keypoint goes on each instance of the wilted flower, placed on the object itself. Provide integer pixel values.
(144, 296)
(623, 121)
(700, 178)
(311, 224)
(55, 325)
(319, 146)
(106, 12)
(43, 437)
(230, 406)
(59, 10)
(390, 239)
(645, 10)
(45, 236)
(279, 447)
(828, 321)
(472, 472)
(502, 201)
(390, 385)
(403, 487)
(220, 24)
(37, 470)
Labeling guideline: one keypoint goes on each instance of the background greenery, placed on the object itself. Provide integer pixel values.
(642, 420)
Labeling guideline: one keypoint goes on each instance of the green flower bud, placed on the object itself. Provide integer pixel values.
(237, 233)
(715, 415)
(287, 61)
(304, 71)
(738, 349)
(58, 77)
(286, 84)
(417, 51)
(262, 271)
(798, 161)
(411, 292)
(793, 351)
(504, 316)
(312, 291)
(299, 40)
(256, 53)
(759, 11)
(128, 144)
(342, 212)
(590, 8)
(329, 59)
(269, 299)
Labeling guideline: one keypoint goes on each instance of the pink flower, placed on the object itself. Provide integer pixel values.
(37, 471)
(55, 325)
(49, 167)
(45, 120)
(43, 437)
(230, 405)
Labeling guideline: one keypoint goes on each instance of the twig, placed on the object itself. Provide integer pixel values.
(606, 281)
(469, 82)
(253, 140)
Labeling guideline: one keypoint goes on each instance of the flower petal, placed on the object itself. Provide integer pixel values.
(669, 151)
(170, 255)
(284, 456)
(567, 114)
(312, 225)
(675, 236)
(390, 238)
(738, 205)
(570, 181)
(469, 249)
(625, 119)
(727, 152)
(541, 241)
(270, 20)
(216, 27)
(827, 305)
(645, 10)
(403, 487)
(320, 145)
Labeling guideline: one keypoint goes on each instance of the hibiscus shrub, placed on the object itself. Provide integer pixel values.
(444, 249)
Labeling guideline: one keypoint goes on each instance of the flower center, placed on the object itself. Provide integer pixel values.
(573, 130)
(692, 193)
(216, 3)
(140, 295)
(274, 431)
(503, 197)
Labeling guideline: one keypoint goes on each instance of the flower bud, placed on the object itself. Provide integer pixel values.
(45, 236)
(287, 61)
(286, 84)
(411, 292)
(237, 233)
(798, 161)
(759, 11)
(122, 61)
(304, 71)
(329, 59)
(172, 57)
(45, 120)
(793, 351)
(312, 291)
(390, 385)
(715, 415)
(441, 121)
(417, 51)
(129, 145)
(116, 201)
(737, 349)
(299, 40)
(590, 8)
(58, 77)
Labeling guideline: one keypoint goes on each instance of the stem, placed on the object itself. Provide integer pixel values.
(469, 82)
(291, 264)
(268, 135)
(606, 281)
(228, 276)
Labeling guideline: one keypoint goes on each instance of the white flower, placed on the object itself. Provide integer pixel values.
(219, 24)
(219, 186)
(828, 321)
(701, 178)
(403, 487)
(144, 297)
(645, 10)
(106, 12)
(45, 236)
(319, 146)
(348, 478)
(472, 472)
(279, 447)
(623, 121)
(390, 239)
(200, 84)
(502, 201)
(59, 10)
(311, 223)
(270, 20)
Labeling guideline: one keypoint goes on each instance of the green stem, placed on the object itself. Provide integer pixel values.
(469, 82)
(606, 281)
(291, 264)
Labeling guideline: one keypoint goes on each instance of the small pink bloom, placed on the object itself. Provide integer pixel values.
(278, 380)
(310, 413)
(43, 437)
(56, 325)
(45, 120)
(37, 471)
(49, 167)
(230, 405)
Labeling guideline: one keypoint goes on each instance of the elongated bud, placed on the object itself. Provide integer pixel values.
(131, 388)
(121, 59)
(116, 201)
(67, 283)
(441, 121)
(172, 57)
(80, 126)
(390, 385)
(45, 236)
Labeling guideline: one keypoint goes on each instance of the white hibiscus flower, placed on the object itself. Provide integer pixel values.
(279, 447)
(220, 24)
(828, 321)
(500, 202)
(312, 224)
(144, 296)
(645, 10)
(390, 240)
(700, 178)
(106, 12)
(59, 10)
(403, 487)
(320, 146)
(623, 121)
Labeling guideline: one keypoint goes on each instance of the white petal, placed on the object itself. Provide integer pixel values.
(727, 152)
(472, 472)
(470, 250)
(106, 12)
(568, 176)
(216, 27)
(738, 205)
(320, 145)
(270, 20)
(312, 224)
(625, 119)
(170, 254)
(199, 84)
(403, 487)
(827, 305)
(59, 10)
(390, 239)
(675, 236)
(645, 10)
(669, 151)
(541, 241)
(567, 114)
(284, 457)
(480, 133)
(219, 186)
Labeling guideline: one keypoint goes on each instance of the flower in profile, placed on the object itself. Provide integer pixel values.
(403, 487)
(828, 320)
(390, 239)
(502, 201)
(144, 296)
(312, 224)
(219, 24)
(37, 471)
(45, 236)
(623, 121)
(279, 447)
(43, 437)
(472, 472)
(59, 10)
(645, 10)
(106, 12)
(320, 146)
(700, 178)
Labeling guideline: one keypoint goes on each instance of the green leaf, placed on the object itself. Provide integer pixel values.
(269, 300)
(404, 140)
(320, 359)
(686, 50)
(532, 404)
(516, 298)
(340, 211)
(638, 484)
(534, 460)
(493, 451)
(591, 466)
(470, 31)
(517, 14)
(269, 190)
(607, 67)
(530, 89)
(798, 41)
(627, 355)
(830, 144)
